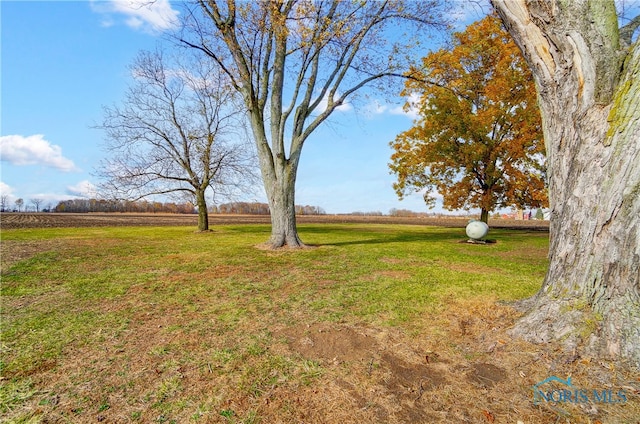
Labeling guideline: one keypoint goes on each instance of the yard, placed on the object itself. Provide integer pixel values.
(376, 322)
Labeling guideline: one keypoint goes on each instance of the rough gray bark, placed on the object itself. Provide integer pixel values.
(203, 213)
(589, 95)
(282, 205)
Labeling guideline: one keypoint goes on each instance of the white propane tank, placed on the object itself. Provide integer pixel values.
(477, 230)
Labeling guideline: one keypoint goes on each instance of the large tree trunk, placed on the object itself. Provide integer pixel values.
(484, 215)
(590, 105)
(203, 213)
(279, 179)
(281, 197)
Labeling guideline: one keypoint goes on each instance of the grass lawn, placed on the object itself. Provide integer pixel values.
(373, 323)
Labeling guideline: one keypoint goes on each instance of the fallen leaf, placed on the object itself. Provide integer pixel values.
(488, 415)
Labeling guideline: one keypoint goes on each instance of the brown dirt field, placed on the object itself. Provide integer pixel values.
(51, 220)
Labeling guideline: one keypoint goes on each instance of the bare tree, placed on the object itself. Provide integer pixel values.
(295, 62)
(19, 203)
(4, 201)
(586, 72)
(180, 130)
(36, 203)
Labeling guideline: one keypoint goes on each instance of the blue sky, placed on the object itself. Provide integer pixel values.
(62, 61)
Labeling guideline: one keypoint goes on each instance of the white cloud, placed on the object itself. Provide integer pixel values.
(411, 111)
(6, 190)
(377, 108)
(345, 107)
(147, 15)
(83, 189)
(33, 150)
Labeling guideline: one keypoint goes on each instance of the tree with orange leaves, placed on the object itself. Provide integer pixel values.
(478, 139)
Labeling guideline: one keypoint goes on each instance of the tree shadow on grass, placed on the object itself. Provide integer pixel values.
(382, 236)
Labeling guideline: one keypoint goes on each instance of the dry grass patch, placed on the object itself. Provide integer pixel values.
(161, 325)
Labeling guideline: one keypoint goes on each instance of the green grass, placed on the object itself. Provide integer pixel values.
(207, 303)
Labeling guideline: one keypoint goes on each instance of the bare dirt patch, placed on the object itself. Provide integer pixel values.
(486, 375)
(387, 376)
(473, 374)
(330, 343)
(14, 251)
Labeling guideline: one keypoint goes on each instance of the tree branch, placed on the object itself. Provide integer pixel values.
(626, 32)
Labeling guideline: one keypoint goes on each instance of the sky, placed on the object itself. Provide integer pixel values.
(62, 61)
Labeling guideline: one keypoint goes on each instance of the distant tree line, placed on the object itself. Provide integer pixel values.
(140, 206)
(368, 213)
(406, 213)
(19, 204)
(256, 208)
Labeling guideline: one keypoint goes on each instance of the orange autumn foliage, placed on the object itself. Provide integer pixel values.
(478, 138)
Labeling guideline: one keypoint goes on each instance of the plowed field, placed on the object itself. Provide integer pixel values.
(50, 220)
